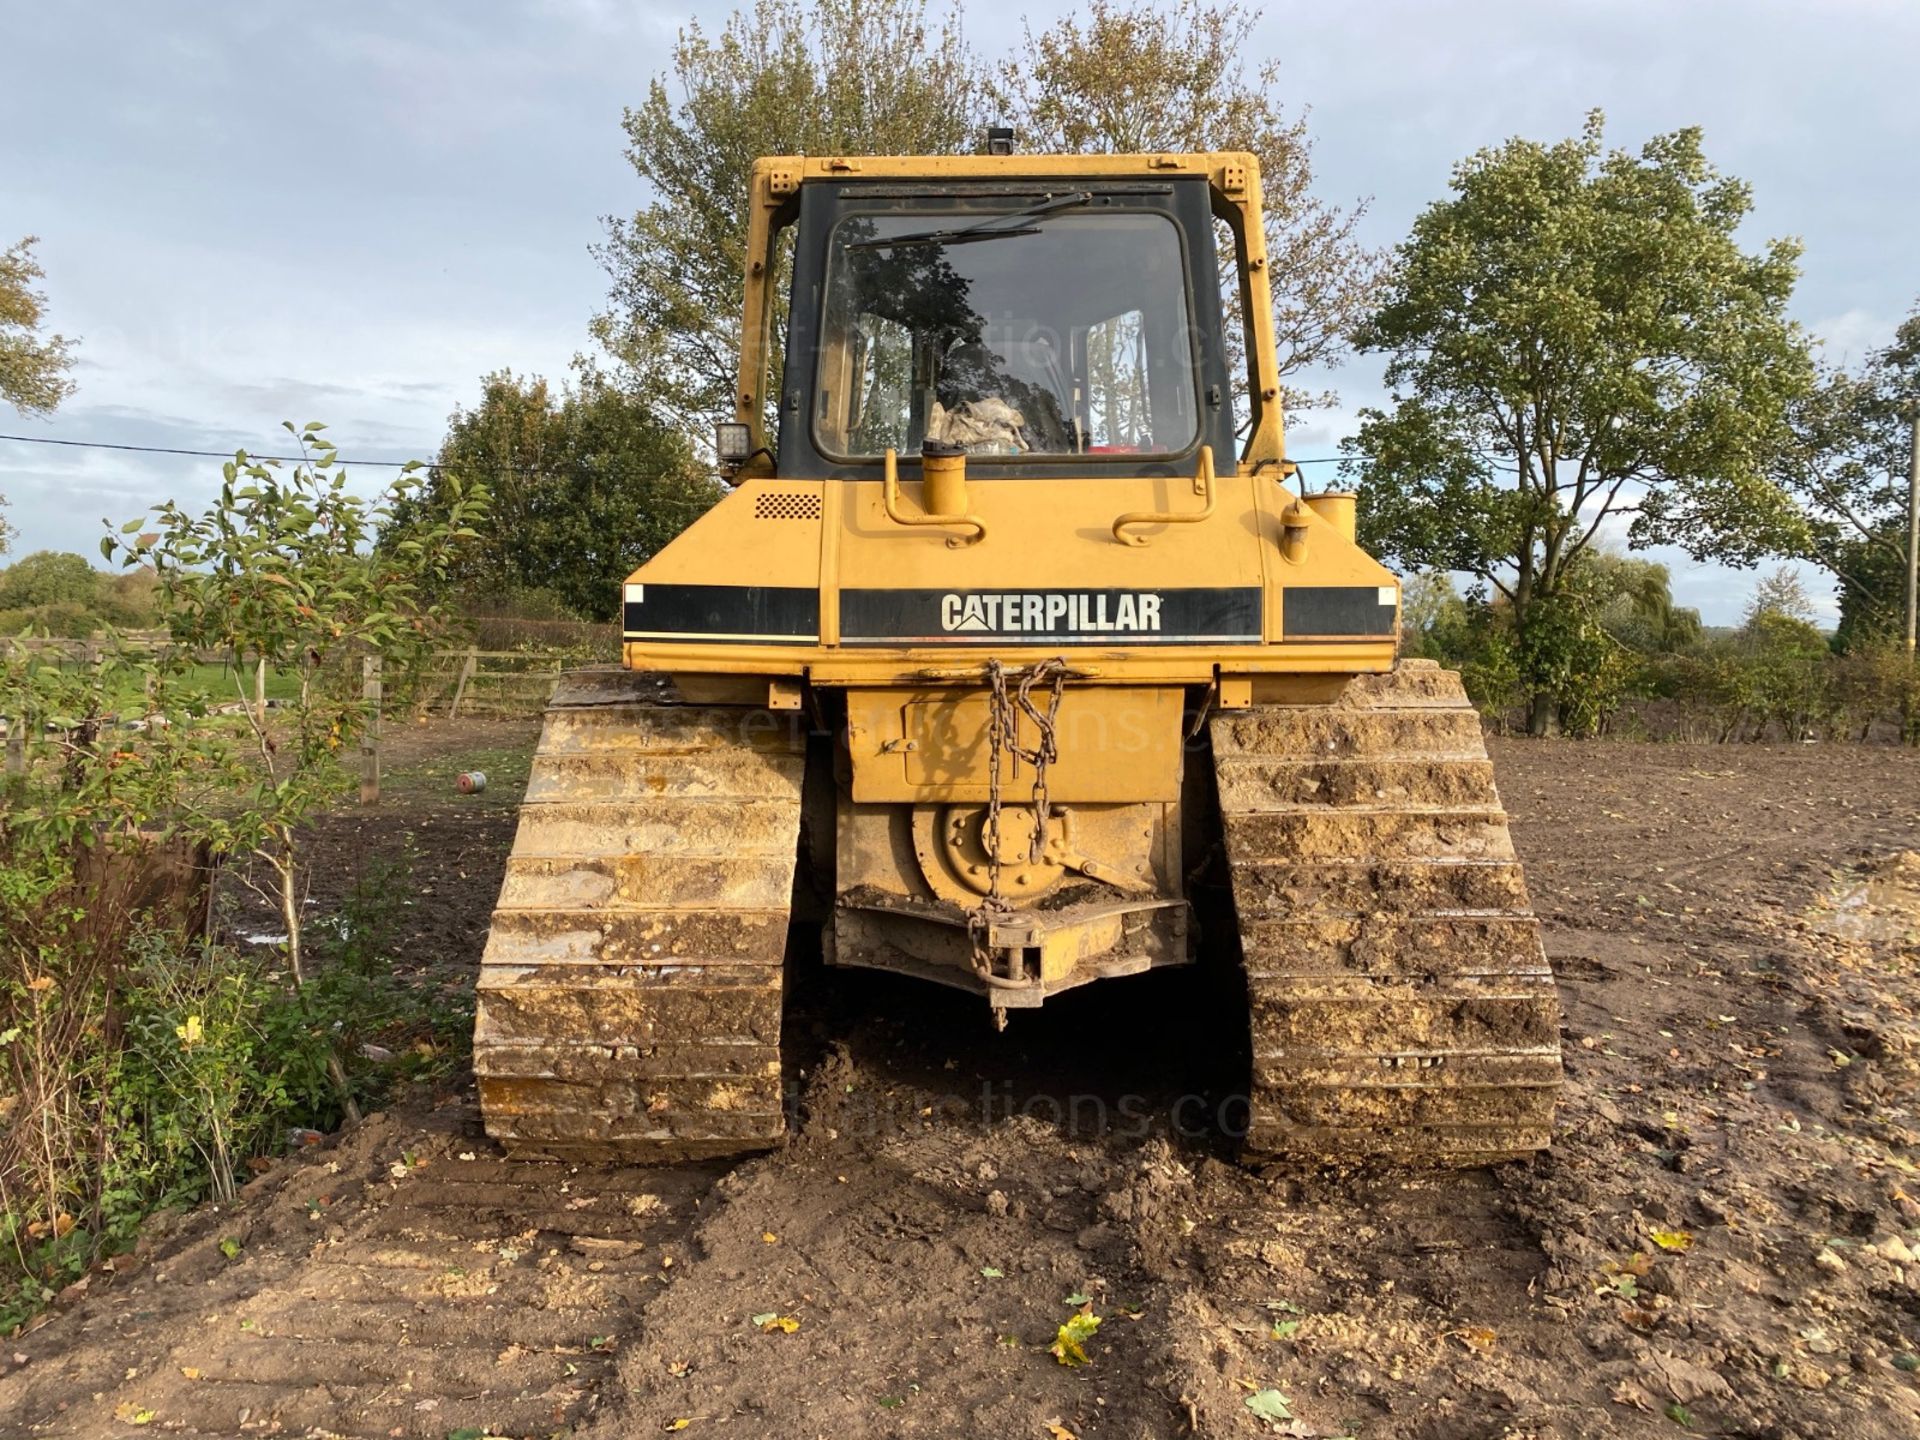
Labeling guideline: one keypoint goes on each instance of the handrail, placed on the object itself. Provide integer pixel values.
(890, 499)
(1202, 486)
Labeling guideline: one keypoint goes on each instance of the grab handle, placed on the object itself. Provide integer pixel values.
(890, 499)
(1202, 486)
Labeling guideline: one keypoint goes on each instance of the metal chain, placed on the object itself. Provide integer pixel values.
(1003, 738)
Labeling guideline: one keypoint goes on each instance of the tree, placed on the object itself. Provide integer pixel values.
(586, 485)
(283, 569)
(1575, 335)
(1633, 601)
(1849, 470)
(48, 577)
(33, 367)
(787, 77)
(1152, 76)
(1783, 595)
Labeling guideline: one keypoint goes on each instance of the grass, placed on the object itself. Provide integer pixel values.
(215, 681)
(505, 766)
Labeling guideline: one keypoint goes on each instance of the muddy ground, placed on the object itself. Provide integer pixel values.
(1723, 1240)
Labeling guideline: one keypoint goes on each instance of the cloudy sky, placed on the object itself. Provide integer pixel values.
(252, 213)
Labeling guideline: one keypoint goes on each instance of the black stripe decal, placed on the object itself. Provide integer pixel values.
(724, 614)
(1051, 617)
(1310, 612)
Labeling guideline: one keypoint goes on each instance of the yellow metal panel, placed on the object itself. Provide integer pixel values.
(931, 745)
(767, 532)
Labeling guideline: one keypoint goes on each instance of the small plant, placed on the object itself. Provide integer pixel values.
(294, 571)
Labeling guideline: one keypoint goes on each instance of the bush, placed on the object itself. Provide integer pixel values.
(150, 1082)
(142, 1065)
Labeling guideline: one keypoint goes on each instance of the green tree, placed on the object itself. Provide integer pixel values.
(282, 568)
(1849, 469)
(586, 484)
(48, 577)
(812, 77)
(1574, 335)
(33, 366)
(1171, 75)
(1633, 601)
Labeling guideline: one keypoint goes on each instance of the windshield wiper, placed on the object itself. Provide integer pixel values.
(994, 227)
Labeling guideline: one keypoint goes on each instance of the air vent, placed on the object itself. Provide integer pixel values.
(786, 505)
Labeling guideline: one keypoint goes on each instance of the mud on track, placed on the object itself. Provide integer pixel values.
(1742, 1067)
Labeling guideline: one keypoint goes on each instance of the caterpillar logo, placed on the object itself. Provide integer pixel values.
(1051, 612)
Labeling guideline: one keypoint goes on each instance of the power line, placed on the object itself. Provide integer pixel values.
(201, 454)
(498, 470)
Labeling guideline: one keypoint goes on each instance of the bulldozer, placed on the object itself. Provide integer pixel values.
(1018, 657)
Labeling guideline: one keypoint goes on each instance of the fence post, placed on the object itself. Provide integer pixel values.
(370, 736)
(466, 674)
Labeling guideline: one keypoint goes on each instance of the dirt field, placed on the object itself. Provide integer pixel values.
(1718, 1242)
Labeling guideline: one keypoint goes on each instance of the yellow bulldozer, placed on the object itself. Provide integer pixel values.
(1009, 632)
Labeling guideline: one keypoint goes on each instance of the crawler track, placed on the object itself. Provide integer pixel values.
(629, 997)
(1399, 998)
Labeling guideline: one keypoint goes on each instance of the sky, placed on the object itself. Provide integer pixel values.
(255, 213)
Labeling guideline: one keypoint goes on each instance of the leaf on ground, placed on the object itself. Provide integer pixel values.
(891, 1402)
(1057, 1431)
(190, 1372)
(1076, 1299)
(1284, 1307)
(767, 1237)
(128, 1413)
(992, 1274)
(229, 1247)
(785, 1324)
(1271, 1406)
(467, 1432)
(1680, 1415)
(1475, 1337)
(1284, 1330)
(679, 1422)
(765, 1319)
(1680, 1240)
(1069, 1346)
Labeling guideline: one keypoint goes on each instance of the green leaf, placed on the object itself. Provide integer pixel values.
(767, 1319)
(1075, 1299)
(987, 1270)
(229, 1247)
(1285, 1329)
(1680, 1415)
(1271, 1406)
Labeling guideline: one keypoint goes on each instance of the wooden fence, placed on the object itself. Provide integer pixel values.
(469, 681)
